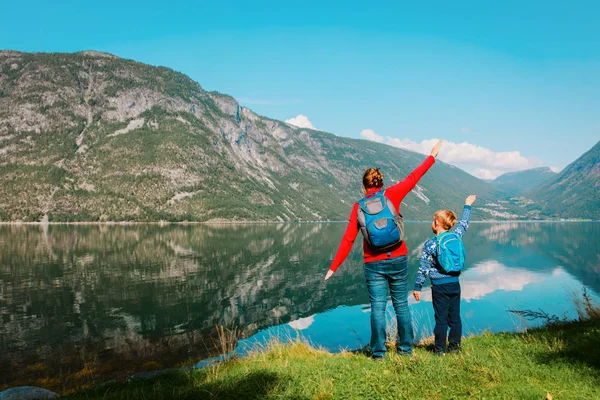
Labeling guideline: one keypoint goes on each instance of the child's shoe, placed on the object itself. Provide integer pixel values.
(404, 353)
(454, 348)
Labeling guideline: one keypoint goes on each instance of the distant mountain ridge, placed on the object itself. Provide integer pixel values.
(574, 192)
(517, 183)
(93, 137)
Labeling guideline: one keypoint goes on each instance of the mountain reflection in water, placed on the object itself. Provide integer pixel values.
(124, 298)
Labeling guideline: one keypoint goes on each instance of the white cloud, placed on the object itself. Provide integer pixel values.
(554, 169)
(483, 173)
(480, 161)
(370, 134)
(301, 121)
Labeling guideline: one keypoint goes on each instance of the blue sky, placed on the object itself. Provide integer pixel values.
(516, 83)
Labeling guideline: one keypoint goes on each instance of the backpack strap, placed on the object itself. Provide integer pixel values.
(361, 205)
(443, 235)
(438, 239)
(362, 202)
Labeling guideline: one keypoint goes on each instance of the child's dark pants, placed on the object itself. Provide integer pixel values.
(446, 304)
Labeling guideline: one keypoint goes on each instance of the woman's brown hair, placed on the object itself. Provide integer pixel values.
(372, 178)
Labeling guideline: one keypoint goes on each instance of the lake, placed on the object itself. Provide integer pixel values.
(97, 302)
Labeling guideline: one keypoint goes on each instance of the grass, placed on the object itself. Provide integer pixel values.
(559, 361)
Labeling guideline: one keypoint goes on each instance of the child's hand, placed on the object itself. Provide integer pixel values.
(329, 273)
(417, 295)
(470, 200)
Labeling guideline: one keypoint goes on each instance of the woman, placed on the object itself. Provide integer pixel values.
(385, 269)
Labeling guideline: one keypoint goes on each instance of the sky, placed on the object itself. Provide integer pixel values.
(508, 85)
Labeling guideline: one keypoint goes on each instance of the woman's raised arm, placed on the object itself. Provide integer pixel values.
(397, 192)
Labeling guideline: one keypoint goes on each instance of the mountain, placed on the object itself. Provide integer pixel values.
(92, 137)
(517, 183)
(574, 192)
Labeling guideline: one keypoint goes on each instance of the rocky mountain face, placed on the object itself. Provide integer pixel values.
(517, 183)
(92, 137)
(574, 192)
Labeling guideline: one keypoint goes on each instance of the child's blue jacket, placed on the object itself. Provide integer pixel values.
(429, 262)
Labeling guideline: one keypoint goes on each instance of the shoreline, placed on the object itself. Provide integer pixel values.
(227, 222)
(530, 364)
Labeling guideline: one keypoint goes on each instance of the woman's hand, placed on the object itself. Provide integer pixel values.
(329, 273)
(436, 148)
(417, 295)
(470, 200)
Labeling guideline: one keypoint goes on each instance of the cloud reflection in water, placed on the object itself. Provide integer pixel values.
(489, 276)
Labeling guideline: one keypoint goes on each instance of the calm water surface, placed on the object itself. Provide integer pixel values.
(100, 302)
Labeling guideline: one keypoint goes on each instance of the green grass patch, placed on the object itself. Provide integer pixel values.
(560, 360)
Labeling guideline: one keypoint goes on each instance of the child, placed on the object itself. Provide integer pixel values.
(445, 287)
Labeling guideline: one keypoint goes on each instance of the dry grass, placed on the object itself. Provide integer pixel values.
(227, 339)
(585, 306)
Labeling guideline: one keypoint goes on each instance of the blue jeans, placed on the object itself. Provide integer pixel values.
(381, 275)
(446, 304)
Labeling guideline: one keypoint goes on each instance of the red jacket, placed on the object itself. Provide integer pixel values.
(395, 194)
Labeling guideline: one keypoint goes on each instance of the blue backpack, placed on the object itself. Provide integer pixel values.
(451, 252)
(380, 223)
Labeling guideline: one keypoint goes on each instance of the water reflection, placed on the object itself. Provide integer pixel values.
(483, 309)
(121, 296)
(490, 276)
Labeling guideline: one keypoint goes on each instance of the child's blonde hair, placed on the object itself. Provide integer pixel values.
(446, 218)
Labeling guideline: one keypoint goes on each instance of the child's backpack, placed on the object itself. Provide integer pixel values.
(451, 252)
(379, 222)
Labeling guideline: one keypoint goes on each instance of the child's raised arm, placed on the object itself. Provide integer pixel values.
(461, 227)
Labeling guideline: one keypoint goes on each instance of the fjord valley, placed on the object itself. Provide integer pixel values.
(92, 137)
(200, 199)
(521, 182)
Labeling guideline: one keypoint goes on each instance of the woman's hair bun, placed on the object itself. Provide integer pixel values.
(372, 178)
